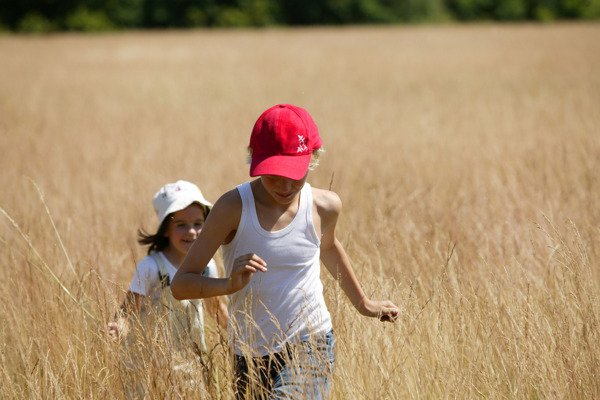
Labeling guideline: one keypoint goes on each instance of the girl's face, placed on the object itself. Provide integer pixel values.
(282, 190)
(183, 229)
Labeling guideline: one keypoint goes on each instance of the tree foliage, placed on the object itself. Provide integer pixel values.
(97, 15)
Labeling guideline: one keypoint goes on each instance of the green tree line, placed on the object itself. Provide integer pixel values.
(98, 15)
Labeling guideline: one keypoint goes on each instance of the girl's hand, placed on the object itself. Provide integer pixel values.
(112, 330)
(384, 310)
(243, 268)
(116, 330)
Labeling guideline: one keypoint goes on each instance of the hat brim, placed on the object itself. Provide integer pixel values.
(293, 167)
(182, 205)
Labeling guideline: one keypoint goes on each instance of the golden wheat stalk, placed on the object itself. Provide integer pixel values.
(62, 246)
(42, 264)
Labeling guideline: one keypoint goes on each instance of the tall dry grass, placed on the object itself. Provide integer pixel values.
(467, 159)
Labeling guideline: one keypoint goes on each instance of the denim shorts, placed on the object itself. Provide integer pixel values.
(300, 371)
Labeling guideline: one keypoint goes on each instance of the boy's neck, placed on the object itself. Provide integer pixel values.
(273, 215)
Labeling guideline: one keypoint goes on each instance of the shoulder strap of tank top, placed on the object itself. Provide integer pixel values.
(247, 197)
(246, 194)
(307, 193)
(308, 204)
(307, 201)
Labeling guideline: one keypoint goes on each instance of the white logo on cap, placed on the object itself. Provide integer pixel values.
(301, 145)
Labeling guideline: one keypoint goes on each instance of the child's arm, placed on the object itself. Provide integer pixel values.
(132, 304)
(337, 263)
(219, 228)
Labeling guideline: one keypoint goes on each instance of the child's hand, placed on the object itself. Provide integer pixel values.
(389, 313)
(385, 310)
(243, 268)
(116, 330)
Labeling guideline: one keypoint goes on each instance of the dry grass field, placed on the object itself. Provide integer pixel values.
(467, 158)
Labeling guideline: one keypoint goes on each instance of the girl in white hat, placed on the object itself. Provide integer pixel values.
(181, 209)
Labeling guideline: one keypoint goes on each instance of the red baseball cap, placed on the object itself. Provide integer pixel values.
(282, 142)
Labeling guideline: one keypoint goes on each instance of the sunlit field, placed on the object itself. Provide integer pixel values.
(467, 159)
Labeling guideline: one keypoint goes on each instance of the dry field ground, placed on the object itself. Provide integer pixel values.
(467, 158)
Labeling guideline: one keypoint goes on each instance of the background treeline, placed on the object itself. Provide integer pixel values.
(98, 15)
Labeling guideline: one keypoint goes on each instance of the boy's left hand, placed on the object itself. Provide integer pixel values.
(384, 310)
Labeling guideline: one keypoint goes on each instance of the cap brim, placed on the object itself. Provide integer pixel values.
(292, 167)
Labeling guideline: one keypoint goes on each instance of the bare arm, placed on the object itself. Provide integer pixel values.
(219, 228)
(336, 261)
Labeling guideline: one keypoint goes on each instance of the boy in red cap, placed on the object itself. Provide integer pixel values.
(274, 231)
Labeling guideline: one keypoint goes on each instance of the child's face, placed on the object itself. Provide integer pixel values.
(183, 229)
(282, 190)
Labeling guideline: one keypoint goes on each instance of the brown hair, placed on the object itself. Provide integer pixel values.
(158, 241)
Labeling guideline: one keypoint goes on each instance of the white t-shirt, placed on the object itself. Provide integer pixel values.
(146, 279)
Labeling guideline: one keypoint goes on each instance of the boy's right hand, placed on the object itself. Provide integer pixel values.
(243, 268)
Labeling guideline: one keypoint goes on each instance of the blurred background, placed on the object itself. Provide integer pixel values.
(102, 15)
(466, 156)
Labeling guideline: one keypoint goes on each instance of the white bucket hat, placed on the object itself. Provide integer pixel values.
(175, 197)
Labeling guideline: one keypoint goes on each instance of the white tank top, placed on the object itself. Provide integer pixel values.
(284, 304)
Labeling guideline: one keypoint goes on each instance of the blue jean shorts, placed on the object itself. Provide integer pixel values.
(301, 371)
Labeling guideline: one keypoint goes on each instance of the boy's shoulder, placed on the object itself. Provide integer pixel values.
(227, 209)
(326, 201)
(230, 198)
